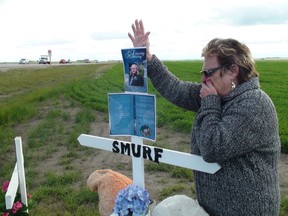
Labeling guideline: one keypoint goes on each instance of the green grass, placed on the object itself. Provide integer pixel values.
(273, 80)
(57, 104)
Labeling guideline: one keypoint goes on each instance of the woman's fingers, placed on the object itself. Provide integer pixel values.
(139, 38)
(141, 26)
(130, 36)
(207, 89)
(134, 29)
(138, 28)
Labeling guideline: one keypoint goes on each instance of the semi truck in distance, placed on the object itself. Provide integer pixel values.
(44, 59)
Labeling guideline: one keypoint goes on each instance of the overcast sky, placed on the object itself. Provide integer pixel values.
(97, 29)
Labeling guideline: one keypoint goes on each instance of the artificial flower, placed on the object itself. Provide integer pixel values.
(18, 207)
(132, 200)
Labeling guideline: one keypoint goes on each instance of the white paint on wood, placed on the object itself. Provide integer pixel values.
(176, 158)
(17, 179)
(12, 189)
(138, 165)
(21, 171)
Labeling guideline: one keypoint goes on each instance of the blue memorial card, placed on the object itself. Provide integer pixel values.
(135, 69)
(132, 115)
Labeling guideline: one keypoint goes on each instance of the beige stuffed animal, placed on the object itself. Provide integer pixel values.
(108, 183)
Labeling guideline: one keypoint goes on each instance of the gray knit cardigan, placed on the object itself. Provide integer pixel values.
(240, 132)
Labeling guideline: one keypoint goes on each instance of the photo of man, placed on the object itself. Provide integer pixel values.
(135, 77)
(135, 70)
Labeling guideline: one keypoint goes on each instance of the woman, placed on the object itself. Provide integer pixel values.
(236, 126)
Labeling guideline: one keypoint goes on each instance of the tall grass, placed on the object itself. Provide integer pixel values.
(57, 104)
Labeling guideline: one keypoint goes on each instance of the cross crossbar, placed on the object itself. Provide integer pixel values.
(156, 154)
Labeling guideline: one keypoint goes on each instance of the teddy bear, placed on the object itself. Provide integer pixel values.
(107, 183)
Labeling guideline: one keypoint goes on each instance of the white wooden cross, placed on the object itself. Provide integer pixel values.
(135, 148)
(138, 151)
(18, 178)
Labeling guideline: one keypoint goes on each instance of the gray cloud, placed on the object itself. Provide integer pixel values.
(256, 15)
(107, 35)
(47, 42)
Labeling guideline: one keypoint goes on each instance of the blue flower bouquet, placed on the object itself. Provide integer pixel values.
(132, 201)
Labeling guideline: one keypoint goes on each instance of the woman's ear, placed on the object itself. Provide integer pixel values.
(234, 70)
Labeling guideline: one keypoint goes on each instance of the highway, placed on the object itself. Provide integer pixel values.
(7, 66)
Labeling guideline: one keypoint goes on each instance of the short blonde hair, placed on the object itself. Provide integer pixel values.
(135, 66)
(230, 51)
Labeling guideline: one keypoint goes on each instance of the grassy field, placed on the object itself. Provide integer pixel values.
(51, 107)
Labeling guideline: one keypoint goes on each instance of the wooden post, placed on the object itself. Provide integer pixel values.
(138, 165)
(12, 189)
(21, 171)
(18, 178)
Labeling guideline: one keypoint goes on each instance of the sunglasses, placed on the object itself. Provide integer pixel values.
(209, 72)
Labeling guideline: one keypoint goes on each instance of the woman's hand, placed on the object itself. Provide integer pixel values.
(140, 38)
(207, 89)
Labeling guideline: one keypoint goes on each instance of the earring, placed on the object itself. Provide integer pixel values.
(232, 85)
